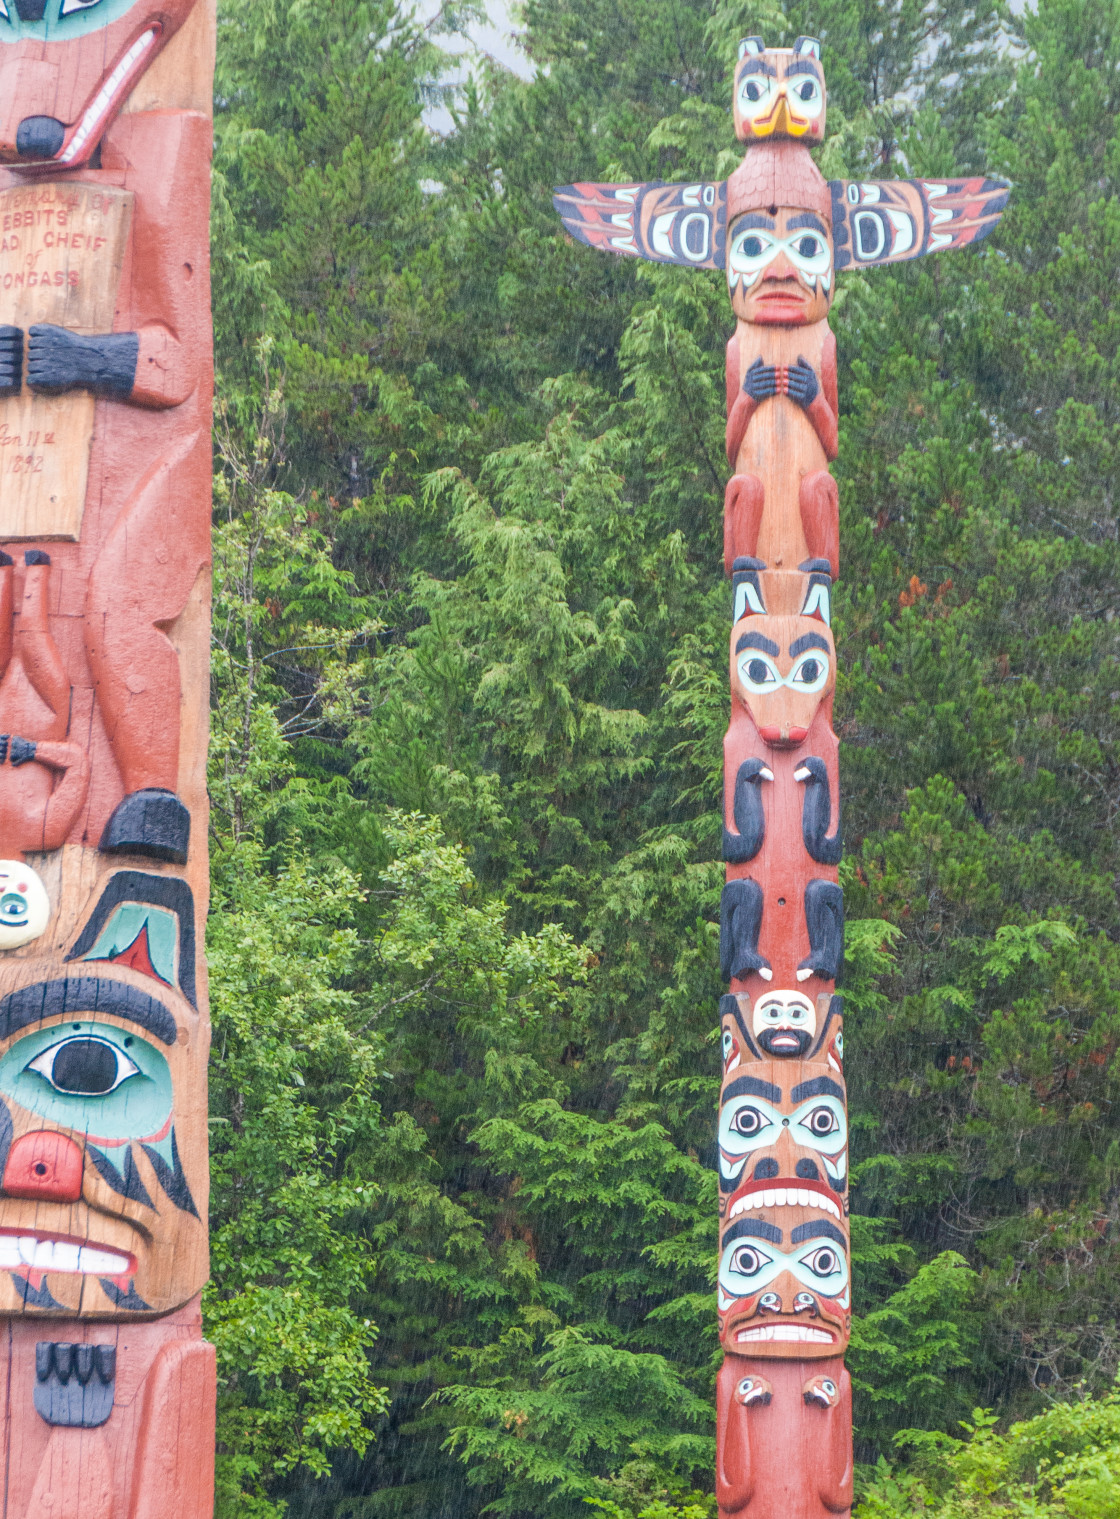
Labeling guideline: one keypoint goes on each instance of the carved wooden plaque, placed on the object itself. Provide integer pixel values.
(61, 250)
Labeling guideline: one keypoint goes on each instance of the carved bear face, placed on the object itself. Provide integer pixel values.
(783, 670)
(780, 91)
(103, 1154)
(66, 68)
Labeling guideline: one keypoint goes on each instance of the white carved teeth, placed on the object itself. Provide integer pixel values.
(799, 1332)
(45, 1254)
(784, 1197)
(104, 97)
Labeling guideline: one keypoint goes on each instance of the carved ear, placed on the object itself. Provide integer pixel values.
(818, 593)
(807, 47)
(666, 224)
(746, 589)
(885, 221)
(752, 46)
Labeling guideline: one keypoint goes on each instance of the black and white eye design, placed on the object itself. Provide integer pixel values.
(822, 1122)
(748, 1260)
(69, 7)
(828, 1386)
(749, 1122)
(85, 1066)
(15, 910)
(810, 253)
(810, 673)
(756, 92)
(758, 672)
(823, 1262)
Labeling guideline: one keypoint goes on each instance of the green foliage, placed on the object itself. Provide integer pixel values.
(469, 699)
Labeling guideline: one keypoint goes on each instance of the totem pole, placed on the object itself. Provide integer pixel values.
(784, 1437)
(107, 1392)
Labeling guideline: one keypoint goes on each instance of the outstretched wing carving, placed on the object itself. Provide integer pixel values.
(885, 221)
(667, 223)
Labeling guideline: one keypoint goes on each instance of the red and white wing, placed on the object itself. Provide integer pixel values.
(888, 220)
(665, 223)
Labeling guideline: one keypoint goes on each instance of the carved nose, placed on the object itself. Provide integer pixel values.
(31, 10)
(45, 1167)
(39, 137)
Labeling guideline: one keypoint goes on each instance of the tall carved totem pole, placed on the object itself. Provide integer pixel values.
(781, 233)
(107, 1387)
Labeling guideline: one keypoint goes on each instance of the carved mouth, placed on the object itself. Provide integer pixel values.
(783, 1197)
(114, 86)
(786, 1333)
(55, 1252)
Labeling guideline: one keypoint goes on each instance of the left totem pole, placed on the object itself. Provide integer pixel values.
(106, 374)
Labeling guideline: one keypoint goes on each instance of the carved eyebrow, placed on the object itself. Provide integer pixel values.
(755, 219)
(753, 1228)
(760, 641)
(758, 66)
(818, 1228)
(750, 1086)
(803, 66)
(820, 1086)
(85, 994)
(808, 219)
(807, 641)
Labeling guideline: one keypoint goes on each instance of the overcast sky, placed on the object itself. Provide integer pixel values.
(496, 39)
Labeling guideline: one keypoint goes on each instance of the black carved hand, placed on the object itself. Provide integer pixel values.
(19, 750)
(60, 360)
(761, 381)
(802, 384)
(11, 361)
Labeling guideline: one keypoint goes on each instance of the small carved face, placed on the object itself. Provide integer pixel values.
(779, 267)
(67, 66)
(779, 92)
(783, 669)
(25, 908)
(784, 1023)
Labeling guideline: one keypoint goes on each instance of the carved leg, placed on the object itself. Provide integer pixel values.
(35, 646)
(6, 574)
(743, 501)
(138, 586)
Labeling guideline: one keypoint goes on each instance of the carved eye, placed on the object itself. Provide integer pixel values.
(87, 1067)
(753, 92)
(15, 910)
(748, 1122)
(728, 1044)
(822, 1122)
(4, 12)
(747, 1261)
(70, 6)
(751, 247)
(808, 91)
(810, 253)
(839, 1043)
(751, 251)
(823, 1262)
(809, 246)
(758, 674)
(828, 1386)
(809, 673)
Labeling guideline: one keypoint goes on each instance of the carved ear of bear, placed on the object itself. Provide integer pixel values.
(750, 818)
(746, 588)
(740, 918)
(824, 918)
(816, 813)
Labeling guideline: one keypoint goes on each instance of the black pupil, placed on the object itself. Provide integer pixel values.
(806, 90)
(758, 671)
(748, 1123)
(822, 1123)
(85, 1065)
(753, 91)
(748, 1261)
(825, 1262)
(810, 670)
(807, 247)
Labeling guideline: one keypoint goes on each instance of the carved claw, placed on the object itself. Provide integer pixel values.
(21, 750)
(59, 360)
(802, 384)
(11, 361)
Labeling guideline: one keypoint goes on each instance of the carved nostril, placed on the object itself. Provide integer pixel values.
(44, 1166)
(766, 1170)
(807, 1170)
(39, 137)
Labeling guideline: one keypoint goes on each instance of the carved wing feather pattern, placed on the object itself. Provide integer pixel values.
(665, 223)
(886, 221)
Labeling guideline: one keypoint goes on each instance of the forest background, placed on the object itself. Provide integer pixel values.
(469, 693)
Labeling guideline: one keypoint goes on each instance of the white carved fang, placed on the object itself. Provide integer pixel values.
(105, 96)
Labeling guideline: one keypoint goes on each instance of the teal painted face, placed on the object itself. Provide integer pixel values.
(61, 20)
(90, 1077)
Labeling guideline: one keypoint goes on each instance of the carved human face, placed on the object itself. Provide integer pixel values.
(103, 1162)
(779, 267)
(784, 1285)
(779, 92)
(25, 908)
(67, 66)
(784, 1023)
(793, 1134)
(783, 669)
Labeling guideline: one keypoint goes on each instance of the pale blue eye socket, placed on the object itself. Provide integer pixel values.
(92, 1077)
(60, 19)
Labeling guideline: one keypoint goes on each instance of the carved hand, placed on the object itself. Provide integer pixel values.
(761, 381)
(59, 360)
(19, 750)
(802, 384)
(11, 361)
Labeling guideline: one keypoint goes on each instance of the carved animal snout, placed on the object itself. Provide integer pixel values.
(39, 137)
(44, 1166)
